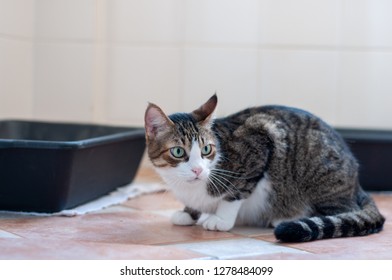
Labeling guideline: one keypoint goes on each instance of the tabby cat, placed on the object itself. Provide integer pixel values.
(264, 166)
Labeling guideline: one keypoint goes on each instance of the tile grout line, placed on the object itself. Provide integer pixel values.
(10, 235)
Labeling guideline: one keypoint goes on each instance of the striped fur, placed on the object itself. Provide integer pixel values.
(357, 223)
(291, 162)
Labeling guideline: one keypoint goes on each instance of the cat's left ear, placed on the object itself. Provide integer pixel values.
(205, 112)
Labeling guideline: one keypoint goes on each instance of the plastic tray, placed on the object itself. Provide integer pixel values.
(49, 167)
(373, 149)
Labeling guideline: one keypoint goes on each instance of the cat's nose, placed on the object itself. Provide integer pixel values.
(197, 170)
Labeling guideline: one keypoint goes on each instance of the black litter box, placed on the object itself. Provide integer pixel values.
(49, 167)
(373, 149)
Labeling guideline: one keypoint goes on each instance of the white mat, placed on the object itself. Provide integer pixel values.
(118, 196)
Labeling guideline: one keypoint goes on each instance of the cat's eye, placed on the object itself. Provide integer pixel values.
(206, 150)
(177, 152)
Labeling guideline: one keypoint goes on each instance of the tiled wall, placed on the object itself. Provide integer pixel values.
(103, 60)
(16, 58)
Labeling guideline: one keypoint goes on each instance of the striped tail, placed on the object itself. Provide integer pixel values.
(356, 223)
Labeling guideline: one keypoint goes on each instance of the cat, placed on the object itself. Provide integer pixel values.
(268, 166)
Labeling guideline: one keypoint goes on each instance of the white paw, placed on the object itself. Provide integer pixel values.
(217, 223)
(182, 218)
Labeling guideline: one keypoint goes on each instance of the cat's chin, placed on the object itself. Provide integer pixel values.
(195, 181)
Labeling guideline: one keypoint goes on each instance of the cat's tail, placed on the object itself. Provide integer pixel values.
(366, 221)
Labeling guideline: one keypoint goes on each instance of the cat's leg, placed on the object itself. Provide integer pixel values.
(224, 217)
(187, 217)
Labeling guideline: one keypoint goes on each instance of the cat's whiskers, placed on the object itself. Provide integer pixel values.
(214, 186)
(229, 174)
(219, 176)
(221, 183)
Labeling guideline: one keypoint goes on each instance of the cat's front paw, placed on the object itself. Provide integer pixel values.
(181, 218)
(217, 223)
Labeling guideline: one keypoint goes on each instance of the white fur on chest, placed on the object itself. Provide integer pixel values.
(193, 195)
(256, 207)
(253, 211)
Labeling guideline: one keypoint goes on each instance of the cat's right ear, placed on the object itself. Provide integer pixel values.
(205, 112)
(155, 121)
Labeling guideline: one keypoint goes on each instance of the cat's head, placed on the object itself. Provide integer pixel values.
(182, 146)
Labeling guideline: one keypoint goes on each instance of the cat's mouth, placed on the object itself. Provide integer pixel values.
(194, 180)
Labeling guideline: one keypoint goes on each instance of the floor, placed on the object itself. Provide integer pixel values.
(140, 229)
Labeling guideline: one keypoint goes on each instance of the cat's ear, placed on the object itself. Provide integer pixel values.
(205, 112)
(155, 120)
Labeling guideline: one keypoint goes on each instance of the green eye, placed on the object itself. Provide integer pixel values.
(177, 152)
(206, 150)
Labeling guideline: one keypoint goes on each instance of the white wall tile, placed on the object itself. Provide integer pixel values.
(232, 73)
(65, 19)
(304, 79)
(144, 21)
(17, 17)
(16, 79)
(222, 21)
(137, 76)
(63, 82)
(104, 60)
(367, 23)
(365, 89)
(300, 22)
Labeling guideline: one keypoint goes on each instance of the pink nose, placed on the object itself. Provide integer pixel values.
(197, 170)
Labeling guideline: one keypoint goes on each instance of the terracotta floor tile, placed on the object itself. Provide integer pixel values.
(127, 227)
(252, 231)
(141, 229)
(190, 234)
(157, 201)
(267, 237)
(29, 249)
(384, 203)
